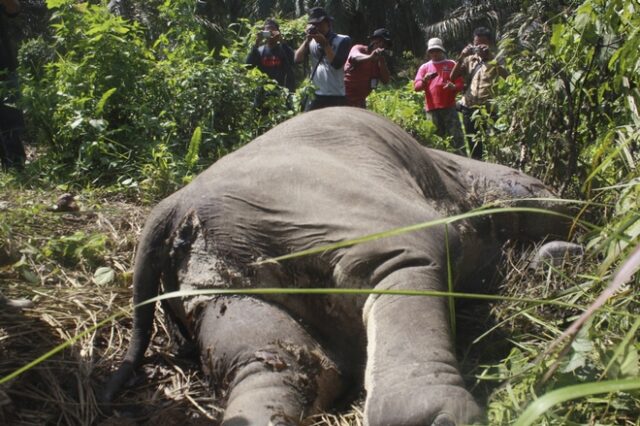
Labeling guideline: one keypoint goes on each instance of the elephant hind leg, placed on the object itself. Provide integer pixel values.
(268, 368)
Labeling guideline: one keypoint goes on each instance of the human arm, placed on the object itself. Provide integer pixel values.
(361, 56)
(459, 69)
(456, 85)
(302, 50)
(11, 7)
(338, 57)
(423, 77)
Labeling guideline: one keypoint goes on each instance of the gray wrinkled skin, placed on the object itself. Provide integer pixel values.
(321, 178)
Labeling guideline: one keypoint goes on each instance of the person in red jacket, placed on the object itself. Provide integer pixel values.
(365, 66)
(440, 91)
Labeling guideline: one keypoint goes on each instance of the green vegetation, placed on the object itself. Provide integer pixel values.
(126, 111)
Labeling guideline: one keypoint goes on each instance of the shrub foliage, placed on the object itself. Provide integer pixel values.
(115, 105)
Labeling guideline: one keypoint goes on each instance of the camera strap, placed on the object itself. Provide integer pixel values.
(315, 68)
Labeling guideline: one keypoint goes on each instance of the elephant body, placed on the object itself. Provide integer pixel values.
(321, 178)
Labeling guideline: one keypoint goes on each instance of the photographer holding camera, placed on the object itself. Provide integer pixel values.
(434, 78)
(480, 70)
(328, 52)
(365, 66)
(273, 56)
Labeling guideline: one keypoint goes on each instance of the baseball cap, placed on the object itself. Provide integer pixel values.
(317, 15)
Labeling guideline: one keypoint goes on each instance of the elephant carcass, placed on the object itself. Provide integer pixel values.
(321, 178)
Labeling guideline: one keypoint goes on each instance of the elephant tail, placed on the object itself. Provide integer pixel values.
(150, 258)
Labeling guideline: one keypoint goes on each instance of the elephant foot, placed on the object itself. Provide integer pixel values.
(269, 369)
(443, 420)
(439, 405)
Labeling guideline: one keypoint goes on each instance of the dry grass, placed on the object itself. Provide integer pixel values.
(66, 302)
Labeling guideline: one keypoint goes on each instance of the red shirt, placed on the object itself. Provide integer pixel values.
(358, 76)
(435, 94)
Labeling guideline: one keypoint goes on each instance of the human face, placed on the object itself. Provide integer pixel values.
(377, 43)
(478, 40)
(483, 44)
(323, 27)
(436, 55)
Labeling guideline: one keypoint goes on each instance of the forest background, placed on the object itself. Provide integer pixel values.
(124, 108)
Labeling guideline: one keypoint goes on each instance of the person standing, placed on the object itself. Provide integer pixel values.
(434, 78)
(480, 69)
(365, 66)
(328, 52)
(11, 120)
(273, 56)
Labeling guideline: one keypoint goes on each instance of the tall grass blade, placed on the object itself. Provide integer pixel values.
(546, 402)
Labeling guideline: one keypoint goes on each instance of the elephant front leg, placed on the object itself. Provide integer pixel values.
(269, 369)
(411, 374)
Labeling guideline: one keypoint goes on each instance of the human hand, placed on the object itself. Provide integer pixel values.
(484, 51)
(310, 32)
(320, 39)
(470, 49)
(430, 76)
(449, 85)
(276, 36)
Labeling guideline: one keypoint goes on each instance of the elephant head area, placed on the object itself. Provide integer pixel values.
(71, 293)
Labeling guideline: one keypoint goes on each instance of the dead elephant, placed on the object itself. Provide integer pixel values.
(322, 178)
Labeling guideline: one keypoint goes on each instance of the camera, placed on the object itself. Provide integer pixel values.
(265, 34)
(312, 29)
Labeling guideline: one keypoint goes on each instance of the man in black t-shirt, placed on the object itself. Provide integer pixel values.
(274, 57)
(11, 120)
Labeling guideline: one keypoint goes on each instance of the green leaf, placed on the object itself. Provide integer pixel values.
(556, 37)
(103, 100)
(581, 347)
(53, 4)
(30, 276)
(104, 275)
(194, 146)
(547, 401)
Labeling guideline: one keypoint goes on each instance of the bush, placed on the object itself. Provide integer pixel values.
(112, 100)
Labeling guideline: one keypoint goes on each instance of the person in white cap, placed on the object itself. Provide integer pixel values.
(434, 79)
